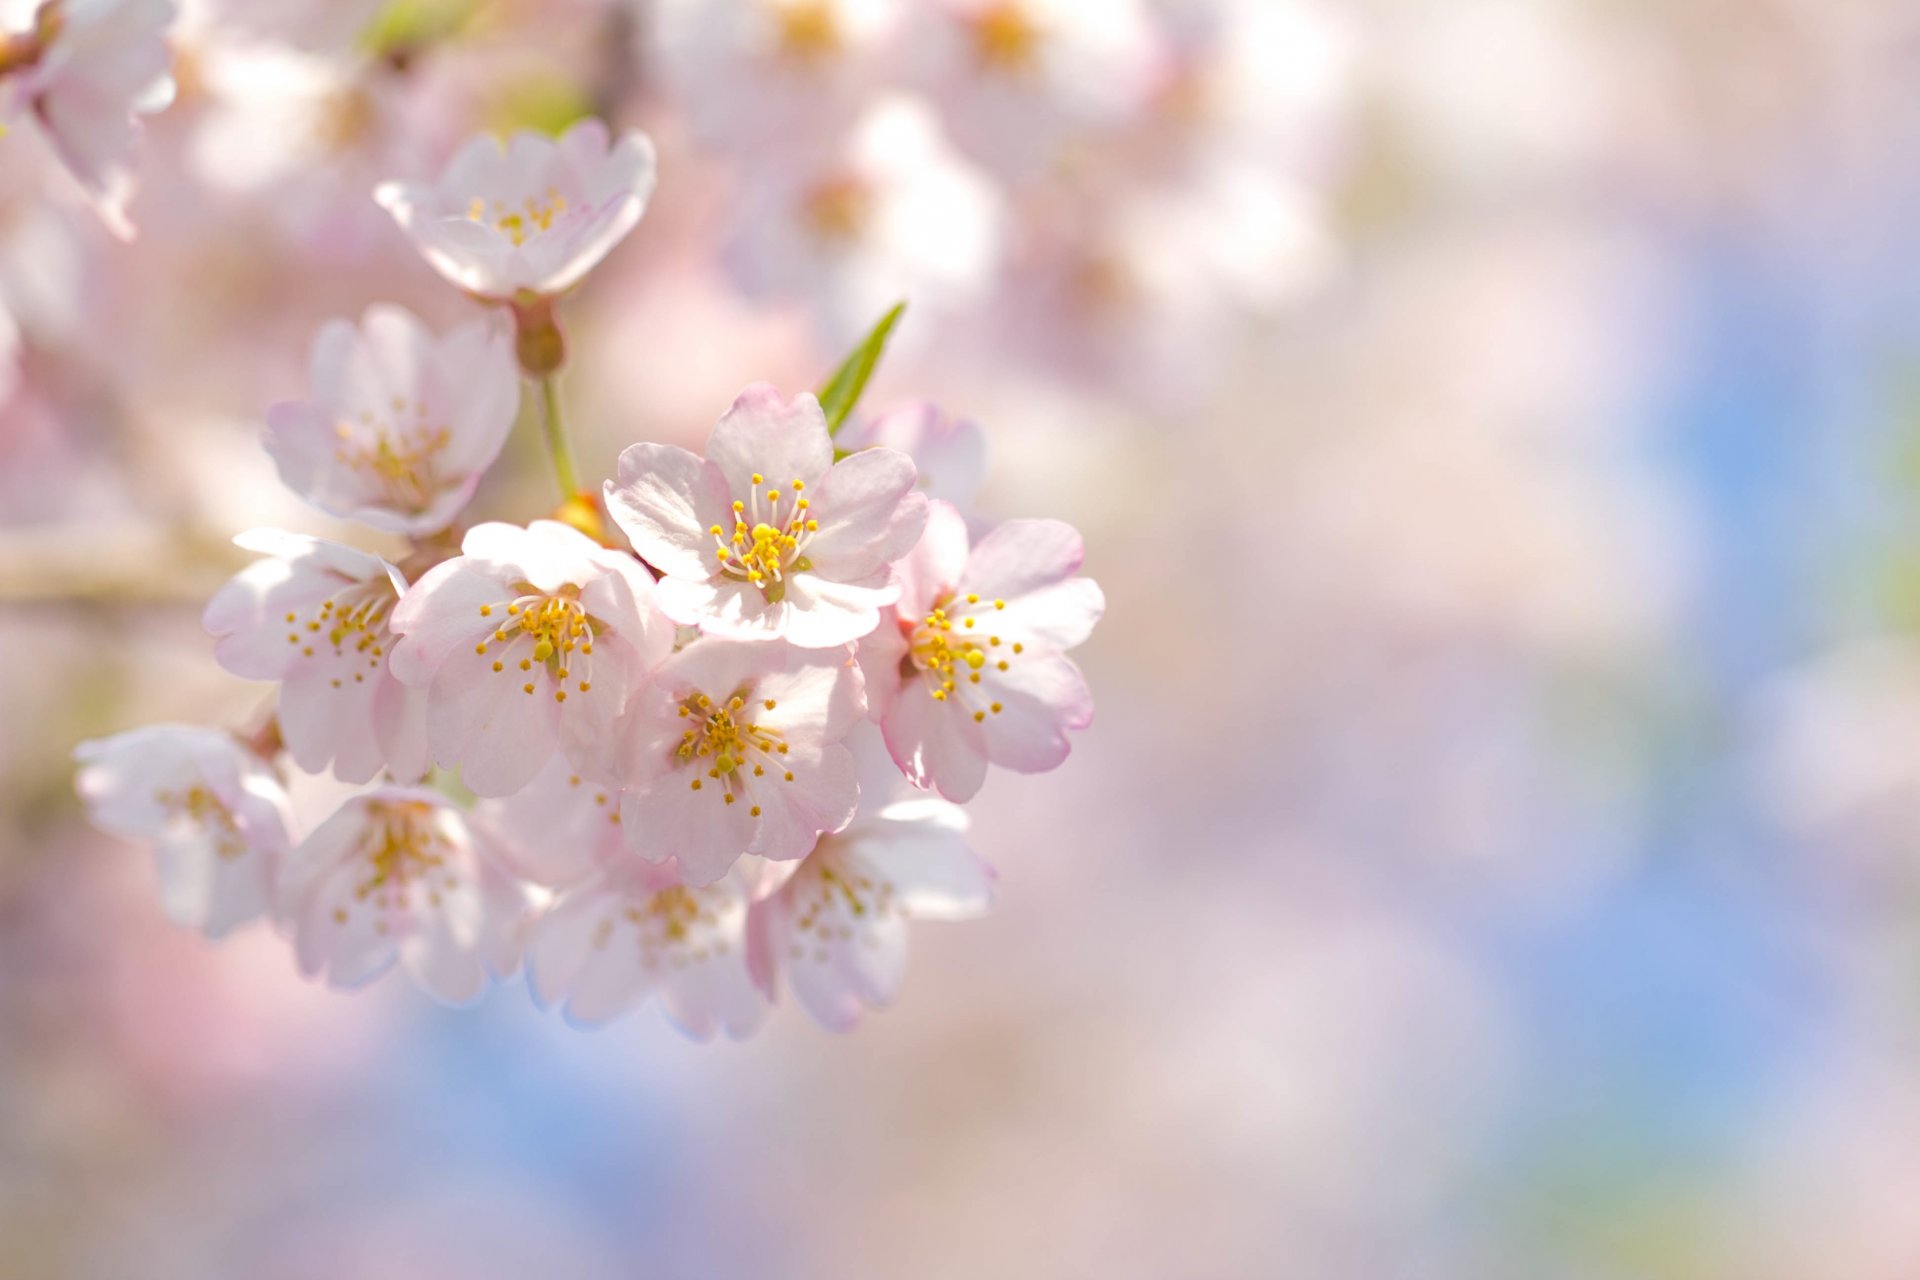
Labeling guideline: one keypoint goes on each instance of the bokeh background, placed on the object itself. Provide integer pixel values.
(1496, 426)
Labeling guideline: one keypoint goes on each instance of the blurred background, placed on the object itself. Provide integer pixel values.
(1496, 426)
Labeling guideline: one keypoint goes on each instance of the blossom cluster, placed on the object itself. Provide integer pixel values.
(696, 736)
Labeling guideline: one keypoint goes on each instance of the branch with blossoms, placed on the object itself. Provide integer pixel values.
(696, 736)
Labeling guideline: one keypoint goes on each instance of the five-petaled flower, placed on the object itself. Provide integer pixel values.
(733, 747)
(768, 537)
(530, 217)
(398, 873)
(973, 669)
(84, 71)
(401, 425)
(530, 640)
(216, 814)
(314, 615)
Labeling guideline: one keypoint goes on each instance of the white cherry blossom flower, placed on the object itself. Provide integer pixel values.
(314, 615)
(632, 932)
(973, 671)
(399, 874)
(400, 425)
(531, 216)
(837, 928)
(83, 72)
(734, 748)
(768, 537)
(214, 812)
(530, 641)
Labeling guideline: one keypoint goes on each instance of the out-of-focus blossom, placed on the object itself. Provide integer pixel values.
(215, 814)
(314, 616)
(768, 537)
(633, 932)
(975, 673)
(398, 873)
(837, 928)
(400, 425)
(770, 78)
(893, 213)
(530, 216)
(949, 454)
(531, 640)
(1020, 82)
(83, 72)
(733, 748)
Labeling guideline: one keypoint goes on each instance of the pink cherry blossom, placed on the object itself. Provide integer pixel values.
(400, 425)
(734, 748)
(530, 641)
(215, 813)
(973, 671)
(561, 828)
(768, 537)
(634, 932)
(314, 615)
(532, 215)
(398, 873)
(837, 928)
(949, 454)
(84, 71)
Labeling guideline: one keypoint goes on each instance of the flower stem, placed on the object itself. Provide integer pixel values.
(554, 430)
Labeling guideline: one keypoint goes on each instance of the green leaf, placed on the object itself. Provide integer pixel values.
(844, 388)
(402, 28)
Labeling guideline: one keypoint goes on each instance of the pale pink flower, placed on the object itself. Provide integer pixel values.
(973, 670)
(530, 216)
(398, 873)
(400, 425)
(633, 932)
(530, 641)
(84, 71)
(949, 454)
(734, 748)
(314, 616)
(770, 76)
(892, 212)
(214, 812)
(561, 828)
(768, 537)
(838, 927)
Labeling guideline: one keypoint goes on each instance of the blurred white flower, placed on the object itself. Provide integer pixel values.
(949, 454)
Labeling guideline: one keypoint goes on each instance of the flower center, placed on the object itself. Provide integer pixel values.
(766, 545)
(404, 846)
(838, 208)
(519, 225)
(675, 926)
(205, 812)
(808, 31)
(558, 633)
(953, 661)
(399, 457)
(729, 745)
(1005, 38)
(352, 621)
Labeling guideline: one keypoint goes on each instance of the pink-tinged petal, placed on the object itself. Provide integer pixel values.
(879, 655)
(299, 439)
(560, 829)
(919, 846)
(440, 616)
(819, 798)
(823, 614)
(326, 719)
(816, 695)
(672, 818)
(780, 440)
(558, 261)
(486, 723)
(597, 687)
(349, 952)
(1058, 617)
(400, 727)
(950, 454)
(869, 513)
(936, 744)
(934, 566)
(1023, 556)
(1041, 698)
(724, 609)
(446, 966)
(475, 374)
(667, 500)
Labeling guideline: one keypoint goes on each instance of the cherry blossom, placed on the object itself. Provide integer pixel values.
(562, 827)
(400, 425)
(530, 641)
(314, 615)
(398, 873)
(215, 813)
(949, 454)
(768, 537)
(633, 932)
(973, 670)
(84, 71)
(734, 748)
(531, 215)
(837, 928)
